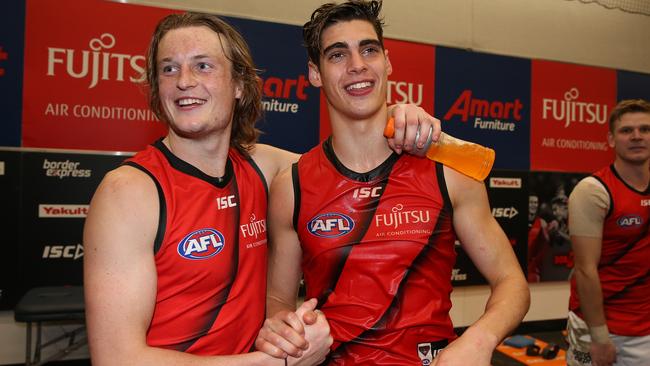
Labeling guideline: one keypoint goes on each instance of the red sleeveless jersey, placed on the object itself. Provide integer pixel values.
(624, 267)
(210, 253)
(378, 253)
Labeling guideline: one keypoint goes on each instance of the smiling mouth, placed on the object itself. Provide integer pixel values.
(359, 86)
(189, 102)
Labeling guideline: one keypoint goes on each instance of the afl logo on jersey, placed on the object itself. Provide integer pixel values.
(330, 225)
(201, 244)
(629, 221)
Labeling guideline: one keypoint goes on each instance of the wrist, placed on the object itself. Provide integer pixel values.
(599, 334)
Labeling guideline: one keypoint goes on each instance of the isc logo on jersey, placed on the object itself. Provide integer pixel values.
(629, 221)
(201, 244)
(330, 225)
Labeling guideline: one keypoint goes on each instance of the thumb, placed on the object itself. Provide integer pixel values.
(307, 306)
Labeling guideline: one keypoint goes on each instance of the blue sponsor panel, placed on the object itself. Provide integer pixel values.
(12, 35)
(291, 104)
(486, 99)
(633, 85)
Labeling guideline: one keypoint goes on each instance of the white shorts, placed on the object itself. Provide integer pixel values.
(630, 351)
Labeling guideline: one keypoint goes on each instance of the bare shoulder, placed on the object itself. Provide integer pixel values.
(462, 188)
(272, 160)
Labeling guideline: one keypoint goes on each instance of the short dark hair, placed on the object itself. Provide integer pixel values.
(627, 106)
(332, 13)
(248, 108)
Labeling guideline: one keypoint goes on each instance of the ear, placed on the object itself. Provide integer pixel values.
(389, 67)
(239, 89)
(610, 139)
(314, 75)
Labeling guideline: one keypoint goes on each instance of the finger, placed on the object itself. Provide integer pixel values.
(263, 346)
(285, 339)
(308, 305)
(437, 129)
(411, 129)
(310, 317)
(400, 128)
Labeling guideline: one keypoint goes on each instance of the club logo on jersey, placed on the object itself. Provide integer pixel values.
(330, 225)
(629, 221)
(201, 244)
(424, 351)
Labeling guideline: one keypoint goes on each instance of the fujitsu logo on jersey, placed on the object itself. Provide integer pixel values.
(398, 217)
(629, 221)
(102, 63)
(569, 110)
(330, 225)
(254, 228)
(201, 244)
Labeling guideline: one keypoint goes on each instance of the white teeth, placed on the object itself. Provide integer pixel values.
(364, 84)
(188, 101)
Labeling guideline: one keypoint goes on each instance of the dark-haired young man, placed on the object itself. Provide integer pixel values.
(374, 230)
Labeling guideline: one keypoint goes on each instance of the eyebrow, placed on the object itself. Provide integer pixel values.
(197, 57)
(364, 42)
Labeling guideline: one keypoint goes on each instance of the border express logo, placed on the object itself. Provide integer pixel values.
(201, 244)
(330, 225)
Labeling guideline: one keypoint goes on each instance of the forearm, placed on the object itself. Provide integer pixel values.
(505, 308)
(591, 296)
(152, 356)
(275, 304)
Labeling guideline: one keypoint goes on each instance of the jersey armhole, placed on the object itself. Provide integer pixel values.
(162, 215)
(295, 177)
(442, 183)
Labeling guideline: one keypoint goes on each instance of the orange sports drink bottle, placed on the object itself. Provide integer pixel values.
(469, 158)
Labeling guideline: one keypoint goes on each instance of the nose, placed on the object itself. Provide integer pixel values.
(186, 78)
(357, 64)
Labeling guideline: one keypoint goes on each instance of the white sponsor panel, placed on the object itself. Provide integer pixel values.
(51, 210)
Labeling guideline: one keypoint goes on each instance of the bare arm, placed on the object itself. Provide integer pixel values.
(120, 277)
(488, 247)
(280, 333)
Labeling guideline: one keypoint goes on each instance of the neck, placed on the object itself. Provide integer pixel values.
(209, 155)
(359, 143)
(636, 175)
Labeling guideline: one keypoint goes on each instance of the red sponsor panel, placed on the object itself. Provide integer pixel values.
(569, 116)
(412, 80)
(83, 66)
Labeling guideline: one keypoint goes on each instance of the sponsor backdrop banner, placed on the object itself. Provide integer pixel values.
(54, 206)
(485, 99)
(412, 79)
(12, 240)
(290, 102)
(507, 192)
(82, 73)
(570, 109)
(549, 253)
(633, 85)
(12, 17)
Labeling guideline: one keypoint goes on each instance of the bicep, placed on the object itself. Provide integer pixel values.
(284, 247)
(479, 233)
(119, 270)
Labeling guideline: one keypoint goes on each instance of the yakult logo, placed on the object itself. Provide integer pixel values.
(62, 211)
(94, 63)
(570, 110)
